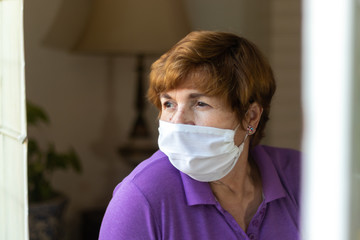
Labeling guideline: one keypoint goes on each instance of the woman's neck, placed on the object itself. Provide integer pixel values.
(240, 192)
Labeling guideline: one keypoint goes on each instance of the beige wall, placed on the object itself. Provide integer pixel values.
(73, 90)
(285, 124)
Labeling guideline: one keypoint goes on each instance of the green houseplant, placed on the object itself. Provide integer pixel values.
(46, 203)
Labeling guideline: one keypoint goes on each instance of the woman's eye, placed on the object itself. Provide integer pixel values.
(202, 104)
(168, 104)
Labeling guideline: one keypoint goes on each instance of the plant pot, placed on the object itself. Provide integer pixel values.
(45, 219)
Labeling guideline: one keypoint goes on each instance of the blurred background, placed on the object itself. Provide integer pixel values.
(90, 90)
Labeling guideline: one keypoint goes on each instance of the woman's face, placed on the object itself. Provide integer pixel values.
(190, 106)
(187, 105)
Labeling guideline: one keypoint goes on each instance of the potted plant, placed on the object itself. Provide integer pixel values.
(46, 204)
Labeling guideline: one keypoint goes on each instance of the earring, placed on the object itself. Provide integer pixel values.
(250, 130)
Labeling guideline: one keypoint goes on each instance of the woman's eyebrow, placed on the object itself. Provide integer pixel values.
(165, 95)
(191, 95)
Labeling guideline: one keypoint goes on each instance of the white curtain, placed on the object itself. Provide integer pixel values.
(329, 108)
(13, 145)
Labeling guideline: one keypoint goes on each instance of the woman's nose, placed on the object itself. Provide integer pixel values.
(182, 116)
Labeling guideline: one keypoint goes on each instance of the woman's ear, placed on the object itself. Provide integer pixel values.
(253, 115)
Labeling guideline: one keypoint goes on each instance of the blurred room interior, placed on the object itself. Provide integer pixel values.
(90, 96)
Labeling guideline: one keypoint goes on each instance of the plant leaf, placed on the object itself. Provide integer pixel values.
(35, 114)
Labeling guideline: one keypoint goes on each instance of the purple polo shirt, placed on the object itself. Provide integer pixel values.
(156, 201)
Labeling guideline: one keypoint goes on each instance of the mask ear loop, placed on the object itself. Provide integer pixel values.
(243, 142)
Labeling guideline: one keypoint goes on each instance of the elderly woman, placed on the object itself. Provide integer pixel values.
(210, 179)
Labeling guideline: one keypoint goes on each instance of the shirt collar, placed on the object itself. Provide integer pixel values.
(197, 192)
(272, 186)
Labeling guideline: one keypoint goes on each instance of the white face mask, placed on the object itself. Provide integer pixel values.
(204, 153)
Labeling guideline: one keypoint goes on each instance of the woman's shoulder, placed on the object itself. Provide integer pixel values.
(286, 161)
(278, 150)
(134, 208)
(281, 157)
(153, 175)
(287, 164)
